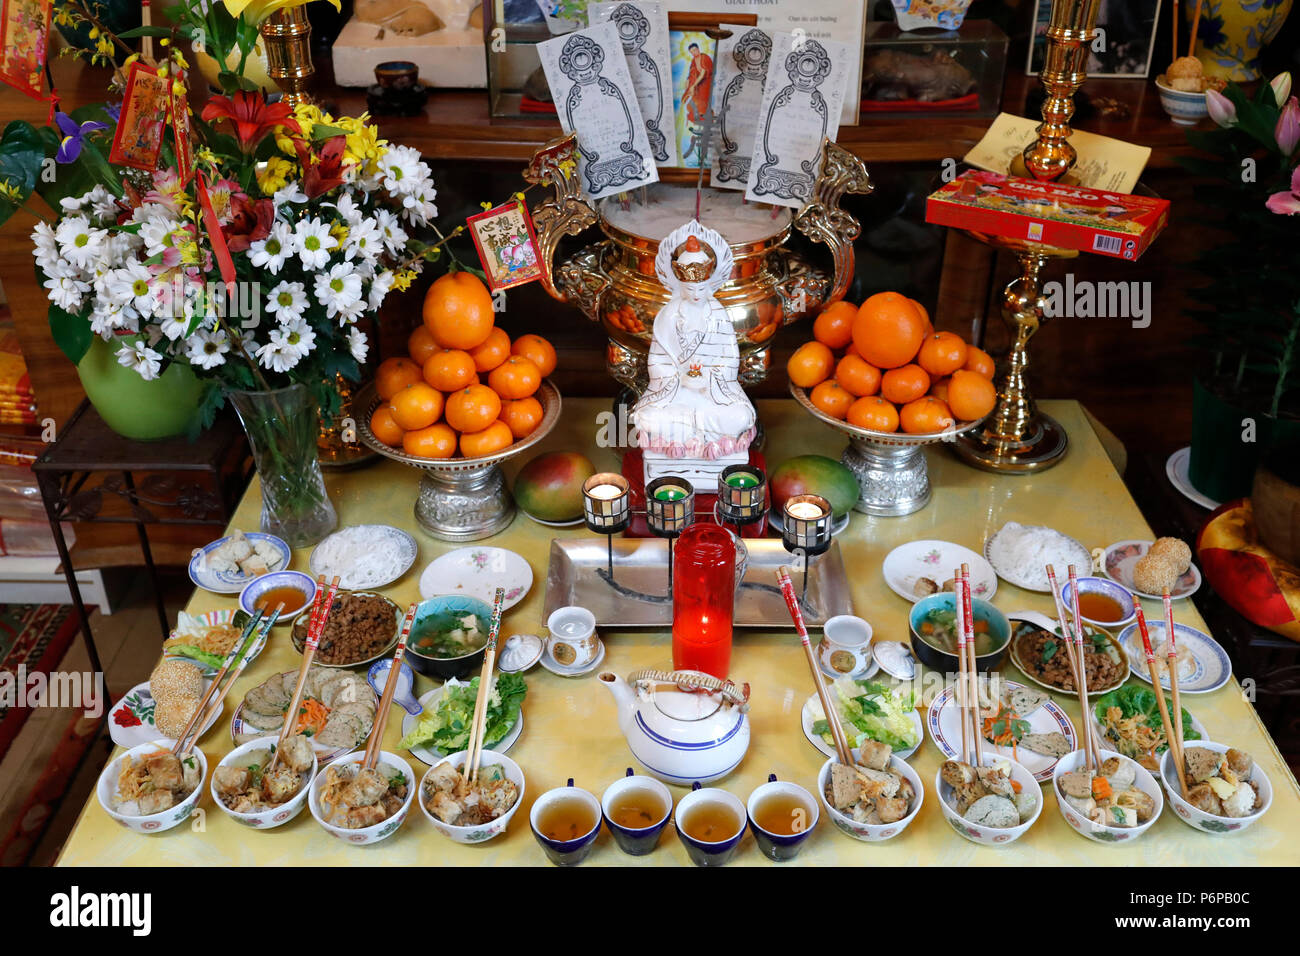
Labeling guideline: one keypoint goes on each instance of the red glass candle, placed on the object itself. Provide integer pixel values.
(704, 582)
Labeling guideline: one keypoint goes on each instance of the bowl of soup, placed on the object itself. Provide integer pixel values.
(933, 623)
(292, 589)
(449, 636)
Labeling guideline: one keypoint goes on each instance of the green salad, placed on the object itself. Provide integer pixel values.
(1130, 717)
(446, 727)
(875, 712)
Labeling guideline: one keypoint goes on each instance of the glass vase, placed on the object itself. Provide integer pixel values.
(704, 581)
(281, 426)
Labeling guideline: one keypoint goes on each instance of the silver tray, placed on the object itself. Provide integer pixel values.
(639, 595)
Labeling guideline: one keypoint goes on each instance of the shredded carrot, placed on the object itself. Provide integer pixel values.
(1015, 786)
(1100, 788)
(312, 716)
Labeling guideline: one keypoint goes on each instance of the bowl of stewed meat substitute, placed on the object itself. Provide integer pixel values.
(1038, 650)
(362, 627)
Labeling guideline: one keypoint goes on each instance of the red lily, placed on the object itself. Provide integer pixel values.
(324, 172)
(253, 117)
(250, 220)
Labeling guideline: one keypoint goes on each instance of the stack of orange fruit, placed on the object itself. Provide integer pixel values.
(881, 366)
(463, 388)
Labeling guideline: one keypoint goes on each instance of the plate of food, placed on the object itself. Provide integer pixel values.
(477, 572)
(443, 727)
(361, 628)
(364, 556)
(337, 712)
(206, 639)
(1128, 721)
(870, 713)
(1039, 651)
(1019, 723)
(161, 706)
(1203, 664)
(1020, 553)
(1146, 568)
(226, 565)
(921, 568)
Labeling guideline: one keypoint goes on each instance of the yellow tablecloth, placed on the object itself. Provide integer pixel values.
(570, 728)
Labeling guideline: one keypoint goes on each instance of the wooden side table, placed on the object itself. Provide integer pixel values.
(93, 475)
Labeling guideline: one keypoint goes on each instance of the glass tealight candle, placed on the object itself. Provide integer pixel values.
(669, 505)
(606, 504)
(807, 524)
(742, 494)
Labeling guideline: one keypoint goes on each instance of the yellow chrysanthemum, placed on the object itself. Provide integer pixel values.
(275, 175)
(339, 231)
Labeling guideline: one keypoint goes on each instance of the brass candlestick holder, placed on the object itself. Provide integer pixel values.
(1017, 438)
(287, 34)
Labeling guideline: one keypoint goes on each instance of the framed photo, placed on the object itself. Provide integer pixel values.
(1125, 42)
(507, 245)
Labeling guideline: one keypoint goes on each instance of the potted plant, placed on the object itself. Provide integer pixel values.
(1248, 398)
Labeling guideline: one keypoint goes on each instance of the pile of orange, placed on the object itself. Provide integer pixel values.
(463, 387)
(883, 367)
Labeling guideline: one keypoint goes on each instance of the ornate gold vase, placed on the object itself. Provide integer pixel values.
(287, 35)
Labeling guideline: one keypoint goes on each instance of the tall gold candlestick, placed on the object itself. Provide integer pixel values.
(287, 34)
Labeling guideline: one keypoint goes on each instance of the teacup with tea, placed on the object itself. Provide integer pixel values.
(710, 823)
(782, 816)
(636, 810)
(566, 822)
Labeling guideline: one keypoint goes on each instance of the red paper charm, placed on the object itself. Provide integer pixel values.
(139, 137)
(24, 39)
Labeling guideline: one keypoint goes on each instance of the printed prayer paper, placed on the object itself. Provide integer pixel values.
(506, 245)
(805, 88)
(643, 28)
(594, 97)
(24, 44)
(139, 137)
(1103, 163)
(738, 80)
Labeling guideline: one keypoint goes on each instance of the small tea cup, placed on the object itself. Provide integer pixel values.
(703, 852)
(566, 852)
(572, 641)
(783, 846)
(846, 645)
(636, 841)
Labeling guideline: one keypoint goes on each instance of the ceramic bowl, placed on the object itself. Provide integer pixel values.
(990, 836)
(704, 853)
(379, 831)
(1104, 586)
(445, 667)
(279, 579)
(484, 832)
(1099, 832)
(275, 816)
(154, 822)
(566, 852)
(1208, 822)
(1185, 109)
(872, 832)
(636, 841)
(937, 659)
(780, 847)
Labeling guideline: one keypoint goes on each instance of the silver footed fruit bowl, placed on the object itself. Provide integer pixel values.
(893, 478)
(460, 499)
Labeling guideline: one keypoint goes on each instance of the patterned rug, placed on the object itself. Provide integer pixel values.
(34, 636)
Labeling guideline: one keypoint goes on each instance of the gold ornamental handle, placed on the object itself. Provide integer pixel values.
(566, 213)
(822, 220)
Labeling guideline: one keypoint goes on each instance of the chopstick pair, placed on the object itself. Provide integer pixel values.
(474, 746)
(842, 748)
(1176, 741)
(238, 657)
(967, 670)
(1175, 748)
(374, 741)
(321, 606)
(1072, 636)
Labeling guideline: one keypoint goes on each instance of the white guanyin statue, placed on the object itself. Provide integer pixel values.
(694, 419)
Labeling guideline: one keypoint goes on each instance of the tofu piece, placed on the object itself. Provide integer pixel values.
(1222, 788)
(874, 755)
(1239, 762)
(878, 783)
(891, 809)
(445, 808)
(995, 782)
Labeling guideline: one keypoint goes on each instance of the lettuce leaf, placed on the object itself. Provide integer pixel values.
(875, 712)
(446, 728)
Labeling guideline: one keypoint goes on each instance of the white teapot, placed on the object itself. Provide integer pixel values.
(682, 726)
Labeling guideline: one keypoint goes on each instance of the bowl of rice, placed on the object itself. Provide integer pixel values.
(1020, 554)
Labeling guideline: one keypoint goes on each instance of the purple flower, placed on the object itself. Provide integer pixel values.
(1287, 131)
(1281, 87)
(1286, 203)
(1222, 110)
(74, 136)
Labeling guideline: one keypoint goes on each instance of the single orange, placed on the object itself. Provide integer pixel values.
(494, 350)
(395, 374)
(810, 364)
(449, 370)
(979, 361)
(473, 408)
(384, 427)
(539, 350)
(925, 316)
(486, 441)
(417, 406)
(834, 326)
(905, 384)
(874, 413)
(832, 399)
(940, 390)
(942, 353)
(925, 416)
(857, 376)
(458, 311)
(516, 377)
(522, 415)
(971, 395)
(888, 330)
(436, 441)
(421, 346)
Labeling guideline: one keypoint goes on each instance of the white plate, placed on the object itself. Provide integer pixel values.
(1213, 667)
(324, 754)
(1117, 564)
(374, 537)
(936, 560)
(225, 582)
(571, 523)
(582, 669)
(943, 721)
(431, 755)
(808, 716)
(130, 722)
(213, 618)
(1081, 559)
(478, 572)
(1176, 468)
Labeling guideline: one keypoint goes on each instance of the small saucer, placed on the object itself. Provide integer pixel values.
(895, 659)
(873, 665)
(560, 670)
(519, 653)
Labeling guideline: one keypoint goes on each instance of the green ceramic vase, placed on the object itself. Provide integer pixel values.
(132, 407)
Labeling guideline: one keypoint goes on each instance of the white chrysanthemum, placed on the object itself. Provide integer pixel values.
(141, 359)
(364, 240)
(290, 192)
(174, 326)
(347, 208)
(394, 235)
(133, 286)
(402, 170)
(338, 290)
(286, 347)
(108, 318)
(44, 246)
(208, 348)
(156, 235)
(357, 344)
(270, 253)
(67, 288)
(102, 203)
(419, 208)
(287, 300)
(80, 243)
(380, 288)
(312, 242)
